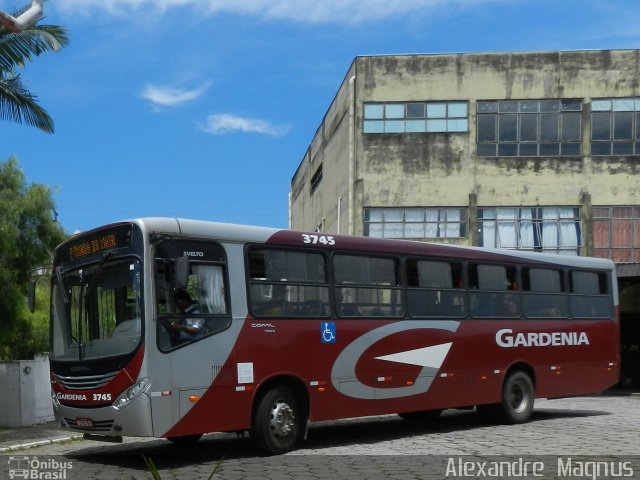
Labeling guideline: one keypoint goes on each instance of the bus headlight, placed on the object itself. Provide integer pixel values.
(131, 394)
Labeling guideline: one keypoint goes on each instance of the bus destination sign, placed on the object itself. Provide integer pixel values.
(93, 244)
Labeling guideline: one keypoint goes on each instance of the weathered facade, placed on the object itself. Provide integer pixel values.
(519, 150)
(537, 151)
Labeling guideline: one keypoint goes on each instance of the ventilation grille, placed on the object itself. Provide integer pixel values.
(90, 382)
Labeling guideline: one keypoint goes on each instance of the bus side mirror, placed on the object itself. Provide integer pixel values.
(31, 296)
(181, 272)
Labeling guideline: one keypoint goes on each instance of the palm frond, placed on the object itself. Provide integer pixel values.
(16, 48)
(17, 104)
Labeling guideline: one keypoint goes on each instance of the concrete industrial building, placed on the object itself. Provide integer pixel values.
(531, 150)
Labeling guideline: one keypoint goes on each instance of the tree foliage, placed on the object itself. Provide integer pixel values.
(28, 235)
(17, 103)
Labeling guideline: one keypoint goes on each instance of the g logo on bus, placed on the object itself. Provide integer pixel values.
(429, 358)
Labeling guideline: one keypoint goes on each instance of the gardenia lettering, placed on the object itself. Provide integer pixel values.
(505, 338)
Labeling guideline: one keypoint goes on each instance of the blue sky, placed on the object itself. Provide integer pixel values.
(204, 108)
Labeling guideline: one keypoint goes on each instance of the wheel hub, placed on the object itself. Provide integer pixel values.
(282, 419)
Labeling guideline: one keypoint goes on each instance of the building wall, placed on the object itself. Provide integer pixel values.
(443, 169)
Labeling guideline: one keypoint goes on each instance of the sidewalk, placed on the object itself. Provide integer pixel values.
(12, 439)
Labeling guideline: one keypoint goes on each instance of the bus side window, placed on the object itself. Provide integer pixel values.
(544, 293)
(492, 287)
(589, 295)
(434, 289)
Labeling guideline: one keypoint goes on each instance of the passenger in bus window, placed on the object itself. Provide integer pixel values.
(186, 329)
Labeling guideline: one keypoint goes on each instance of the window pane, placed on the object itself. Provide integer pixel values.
(623, 148)
(508, 150)
(414, 230)
(457, 110)
(460, 125)
(622, 126)
(571, 105)
(436, 125)
(508, 128)
(394, 126)
(601, 105)
(550, 106)
(414, 215)
(601, 148)
(549, 149)
(528, 149)
(373, 111)
(394, 110)
(373, 126)
(529, 106)
(549, 128)
(601, 126)
(506, 106)
(486, 150)
(571, 127)
(415, 126)
(487, 107)
(373, 215)
(436, 110)
(570, 149)
(528, 128)
(623, 105)
(486, 128)
(415, 110)
(393, 215)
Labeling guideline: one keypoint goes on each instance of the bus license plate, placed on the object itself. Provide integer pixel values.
(84, 422)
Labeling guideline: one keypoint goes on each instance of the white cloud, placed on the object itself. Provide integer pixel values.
(166, 96)
(225, 123)
(305, 11)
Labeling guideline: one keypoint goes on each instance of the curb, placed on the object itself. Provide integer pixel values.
(38, 443)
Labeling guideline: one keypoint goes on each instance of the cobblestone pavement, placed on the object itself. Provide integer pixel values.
(604, 429)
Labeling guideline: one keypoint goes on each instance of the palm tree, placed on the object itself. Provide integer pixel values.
(16, 48)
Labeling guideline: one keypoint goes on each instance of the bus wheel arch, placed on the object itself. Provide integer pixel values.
(280, 415)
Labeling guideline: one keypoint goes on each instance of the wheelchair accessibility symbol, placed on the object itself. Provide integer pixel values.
(328, 332)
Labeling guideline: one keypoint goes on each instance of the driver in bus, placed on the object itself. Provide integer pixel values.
(186, 329)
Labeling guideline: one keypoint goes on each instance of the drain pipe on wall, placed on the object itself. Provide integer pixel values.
(352, 159)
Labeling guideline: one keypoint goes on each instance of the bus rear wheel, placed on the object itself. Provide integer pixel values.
(276, 423)
(518, 396)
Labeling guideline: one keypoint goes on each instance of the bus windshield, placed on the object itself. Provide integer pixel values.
(96, 310)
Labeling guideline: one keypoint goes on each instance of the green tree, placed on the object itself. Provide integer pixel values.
(28, 235)
(16, 49)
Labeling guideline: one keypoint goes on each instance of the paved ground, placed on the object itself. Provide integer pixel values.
(604, 429)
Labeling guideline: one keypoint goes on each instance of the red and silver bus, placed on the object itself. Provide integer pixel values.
(286, 328)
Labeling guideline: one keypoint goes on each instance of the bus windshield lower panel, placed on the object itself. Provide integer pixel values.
(97, 311)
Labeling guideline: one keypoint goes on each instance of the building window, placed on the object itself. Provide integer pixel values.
(529, 128)
(549, 229)
(616, 233)
(615, 126)
(415, 222)
(316, 179)
(416, 117)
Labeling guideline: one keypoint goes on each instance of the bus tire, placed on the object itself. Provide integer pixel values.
(518, 396)
(276, 423)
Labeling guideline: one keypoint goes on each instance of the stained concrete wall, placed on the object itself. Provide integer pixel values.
(442, 170)
(26, 393)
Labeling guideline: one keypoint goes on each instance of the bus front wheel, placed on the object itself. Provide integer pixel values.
(276, 423)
